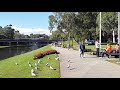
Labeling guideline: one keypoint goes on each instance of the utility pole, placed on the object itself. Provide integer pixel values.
(119, 32)
(100, 31)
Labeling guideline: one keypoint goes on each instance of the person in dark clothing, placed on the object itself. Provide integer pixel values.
(82, 49)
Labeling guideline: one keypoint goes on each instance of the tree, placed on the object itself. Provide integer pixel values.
(109, 22)
(109, 25)
(74, 24)
(9, 31)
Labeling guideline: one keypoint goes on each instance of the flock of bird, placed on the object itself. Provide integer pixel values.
(68, 66)
(33, 71)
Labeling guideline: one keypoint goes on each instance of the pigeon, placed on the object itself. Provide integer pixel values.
(68, 60)
(39, 61)
(16, 63)
(68, 65)
(30, 65)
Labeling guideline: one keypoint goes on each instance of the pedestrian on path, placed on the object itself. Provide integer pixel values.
(82, 49)
(97, 45)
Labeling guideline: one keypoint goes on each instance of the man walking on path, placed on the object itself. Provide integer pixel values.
(97, 45)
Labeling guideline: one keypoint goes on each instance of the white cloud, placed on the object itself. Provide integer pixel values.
(28, 31)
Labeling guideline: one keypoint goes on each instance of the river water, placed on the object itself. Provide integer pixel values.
(13, 51)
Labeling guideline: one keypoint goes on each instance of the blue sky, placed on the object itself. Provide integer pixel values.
(29, 21)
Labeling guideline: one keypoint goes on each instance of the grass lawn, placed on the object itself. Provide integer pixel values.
(8, 68)
(92, 47)
(114, 61)
(3, 46)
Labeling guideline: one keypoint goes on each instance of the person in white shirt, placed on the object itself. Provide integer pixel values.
(97, 45)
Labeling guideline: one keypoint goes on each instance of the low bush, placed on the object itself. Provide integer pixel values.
(42, 54)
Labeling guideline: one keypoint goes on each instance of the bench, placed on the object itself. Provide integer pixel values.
(115, 54)
(112, 54)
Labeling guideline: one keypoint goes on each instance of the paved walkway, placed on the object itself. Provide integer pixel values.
(88, 67)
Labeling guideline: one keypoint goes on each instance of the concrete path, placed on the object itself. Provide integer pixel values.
(88, 67)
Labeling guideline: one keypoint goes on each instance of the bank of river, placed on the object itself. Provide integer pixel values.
(8, 68)
(3, 46)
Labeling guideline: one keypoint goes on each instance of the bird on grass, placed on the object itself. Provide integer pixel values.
(28, 62)
(30, 65)
(49, 58)
(46, 64)
(39, 61)
(52, 68)
(16, 63)
(68, 65)
(36, 64)
(57, 58)
(33, 73)
(36, 68)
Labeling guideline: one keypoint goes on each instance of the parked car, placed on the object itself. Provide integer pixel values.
(90, 42)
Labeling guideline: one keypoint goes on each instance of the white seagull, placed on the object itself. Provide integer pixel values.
(46, 64)
(57, 58)
(35, 64)
(33, 74)
(52, 68)
(48, 57)
(68, 60)
(39, 61)
(30, 65)
(32, 71)
(16, 63)
(36, 68)
(28, 62)
(68, 65)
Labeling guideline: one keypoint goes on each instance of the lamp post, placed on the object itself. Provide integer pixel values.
(119, 32)
(100, 31)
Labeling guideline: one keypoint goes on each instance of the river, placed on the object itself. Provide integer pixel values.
(13, 51)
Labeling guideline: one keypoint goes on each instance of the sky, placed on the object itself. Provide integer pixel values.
(26, 22)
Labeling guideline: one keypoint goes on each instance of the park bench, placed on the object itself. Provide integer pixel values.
(116, 55)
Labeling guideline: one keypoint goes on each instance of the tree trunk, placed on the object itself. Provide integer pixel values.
(69, 40)
(113, 36)
(72, 39)
(62, 41)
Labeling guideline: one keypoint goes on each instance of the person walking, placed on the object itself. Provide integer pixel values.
(97, 45)
(82, 49)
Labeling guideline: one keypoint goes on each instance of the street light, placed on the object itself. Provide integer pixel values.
(100, 31)
(119, 32)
